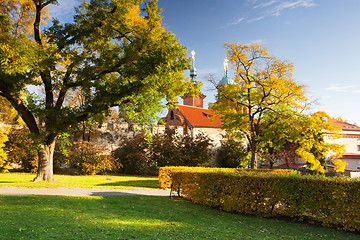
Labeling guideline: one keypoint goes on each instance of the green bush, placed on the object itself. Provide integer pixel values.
(172, 149)
(330, 202)
(137, 156)
(134, 156)
(232, 154)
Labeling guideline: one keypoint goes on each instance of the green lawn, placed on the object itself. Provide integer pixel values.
(140, 217)
(97, 181)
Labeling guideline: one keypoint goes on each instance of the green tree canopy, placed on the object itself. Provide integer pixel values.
(115, 52)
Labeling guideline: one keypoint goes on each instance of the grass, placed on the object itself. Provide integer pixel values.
(140, 217)
(70, 181)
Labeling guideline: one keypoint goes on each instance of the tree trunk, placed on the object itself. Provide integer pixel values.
(45, 167)
(253, 161)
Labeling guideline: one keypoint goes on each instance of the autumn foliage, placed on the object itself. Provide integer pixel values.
(165, 173)
(331, 202)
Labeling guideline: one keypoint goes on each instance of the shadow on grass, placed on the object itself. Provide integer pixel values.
(150, 183)
(140, 217)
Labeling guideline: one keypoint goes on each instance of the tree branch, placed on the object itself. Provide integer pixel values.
(16, 102)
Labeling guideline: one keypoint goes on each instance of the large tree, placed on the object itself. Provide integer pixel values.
(115, 52)
(263, 85)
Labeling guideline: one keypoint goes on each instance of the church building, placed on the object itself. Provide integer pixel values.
(191, 117)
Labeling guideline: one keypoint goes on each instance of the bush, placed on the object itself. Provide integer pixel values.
(137, 156)
(232, 154)
(22, 150)
(330, 202)
(134, 157)
(165, 173)
(172, 149)
(89, 159)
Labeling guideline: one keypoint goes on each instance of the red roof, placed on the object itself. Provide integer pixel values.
(350, 156)
(200, 117)
(345, 126)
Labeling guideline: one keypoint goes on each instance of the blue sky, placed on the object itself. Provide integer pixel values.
(321, 38)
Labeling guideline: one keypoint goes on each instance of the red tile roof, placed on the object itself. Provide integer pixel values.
(345, 126)
(200, 117)
(350, 156)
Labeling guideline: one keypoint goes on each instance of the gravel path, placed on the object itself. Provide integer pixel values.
(82, 191)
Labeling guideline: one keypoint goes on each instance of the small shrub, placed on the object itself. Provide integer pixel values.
(89, 159)
(232, 154)
(134, 157)
(22, 150)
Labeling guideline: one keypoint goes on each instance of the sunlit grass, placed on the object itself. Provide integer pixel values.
(139, 217)
(97, 181)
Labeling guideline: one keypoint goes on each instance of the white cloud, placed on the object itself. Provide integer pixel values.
(267, 8)
(265, 4)
(258, 41)
(239, 20)
(284, 5)
(255, 19)
(233, 23)
(340, 88)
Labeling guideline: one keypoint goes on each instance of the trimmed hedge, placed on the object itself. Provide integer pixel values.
(331, 202)
(165, 172)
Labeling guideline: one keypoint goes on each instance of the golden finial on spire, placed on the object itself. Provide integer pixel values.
(193, 55)
(226, 64)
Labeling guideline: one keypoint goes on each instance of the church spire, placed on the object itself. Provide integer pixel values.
(193, 69)
(225, 80)
(189, 98)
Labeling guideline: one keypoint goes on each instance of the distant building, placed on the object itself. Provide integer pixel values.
(191, 117)
(350, 138)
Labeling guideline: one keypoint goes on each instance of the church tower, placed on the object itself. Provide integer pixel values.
(225, 80)
(197, 101)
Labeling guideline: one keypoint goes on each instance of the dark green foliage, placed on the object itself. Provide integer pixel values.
(138, 156)
(133, 156)
(172, 149)
(232, 154)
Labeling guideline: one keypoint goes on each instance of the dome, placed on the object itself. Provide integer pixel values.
(226, 80)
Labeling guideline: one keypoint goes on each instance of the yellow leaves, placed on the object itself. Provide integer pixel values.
(313, 163)
(133, 17)
(339, 165)
(22, 15)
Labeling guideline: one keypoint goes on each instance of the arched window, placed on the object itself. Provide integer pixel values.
(172, 117)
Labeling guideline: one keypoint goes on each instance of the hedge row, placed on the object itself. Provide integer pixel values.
(165, 172)
(330, 202)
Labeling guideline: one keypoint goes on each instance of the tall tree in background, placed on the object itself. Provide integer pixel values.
(114, 52)
(298, 136)
(263, 84)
